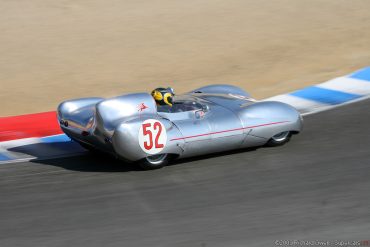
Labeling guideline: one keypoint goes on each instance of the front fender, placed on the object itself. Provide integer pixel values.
(221, 89)
(269, 118)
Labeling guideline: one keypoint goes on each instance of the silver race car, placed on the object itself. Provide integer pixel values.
(207, 120)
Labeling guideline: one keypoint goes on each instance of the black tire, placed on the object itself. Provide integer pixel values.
(279, 139)
(154, 162)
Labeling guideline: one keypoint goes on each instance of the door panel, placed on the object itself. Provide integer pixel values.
(227, 130)
(196, 134)
(218, 130)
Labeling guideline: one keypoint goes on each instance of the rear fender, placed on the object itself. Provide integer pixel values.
(125, 139)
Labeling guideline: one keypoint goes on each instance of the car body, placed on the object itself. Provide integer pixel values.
(210, 119)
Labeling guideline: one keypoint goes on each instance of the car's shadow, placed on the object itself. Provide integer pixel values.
(87, 161)
(99, 162)
(90, 162)
(213, 155)
(82, 160)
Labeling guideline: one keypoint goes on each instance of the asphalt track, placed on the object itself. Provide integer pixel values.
(315, 187)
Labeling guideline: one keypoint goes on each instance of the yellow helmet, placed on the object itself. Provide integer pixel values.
(163, 96)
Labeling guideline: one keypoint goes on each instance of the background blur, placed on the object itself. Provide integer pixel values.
(56, 50)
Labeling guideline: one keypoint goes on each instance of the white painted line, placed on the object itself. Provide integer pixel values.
(303, 105)
(29, 158)
(27, 149)
(19, 142)
(347, 85)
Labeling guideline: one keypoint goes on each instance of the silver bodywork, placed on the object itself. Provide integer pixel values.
(210, 119)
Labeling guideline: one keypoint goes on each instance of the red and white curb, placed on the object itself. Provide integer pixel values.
(34, 136)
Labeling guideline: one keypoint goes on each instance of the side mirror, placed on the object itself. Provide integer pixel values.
(199, 114)
(205, 108)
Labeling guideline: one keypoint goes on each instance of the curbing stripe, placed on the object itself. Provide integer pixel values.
(363, 74)
(301, 104)
(333, 93)
(325, 96)
(3, 157)
(348, 85)
(39, 148)
(56, 138)
(30, 125)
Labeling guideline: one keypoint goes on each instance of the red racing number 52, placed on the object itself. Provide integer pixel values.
(148, 129)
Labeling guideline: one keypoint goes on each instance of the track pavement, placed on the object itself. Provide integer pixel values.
(315, 187)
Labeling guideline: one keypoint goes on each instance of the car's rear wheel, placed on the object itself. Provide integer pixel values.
(279, 139)
(154, 162)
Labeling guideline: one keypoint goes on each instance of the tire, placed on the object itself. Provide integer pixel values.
(279, 139)
(154, 162)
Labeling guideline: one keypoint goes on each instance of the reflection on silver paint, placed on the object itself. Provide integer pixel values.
(210, 119)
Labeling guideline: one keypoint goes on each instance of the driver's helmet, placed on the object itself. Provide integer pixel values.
(163, 96)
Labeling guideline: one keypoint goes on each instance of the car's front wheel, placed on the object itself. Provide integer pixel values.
(279, 139)
(154, 162)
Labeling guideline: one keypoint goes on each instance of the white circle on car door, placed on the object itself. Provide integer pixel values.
(152, 136)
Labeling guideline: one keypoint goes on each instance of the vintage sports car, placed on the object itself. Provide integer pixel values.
(207, 120)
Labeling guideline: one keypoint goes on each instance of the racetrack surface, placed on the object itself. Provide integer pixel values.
(315, 187)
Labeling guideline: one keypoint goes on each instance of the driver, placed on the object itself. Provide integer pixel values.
(163, 96)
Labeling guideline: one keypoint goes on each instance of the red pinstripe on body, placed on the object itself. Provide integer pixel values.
(230, 130)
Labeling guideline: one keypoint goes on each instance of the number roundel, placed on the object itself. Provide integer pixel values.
(152, 136)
